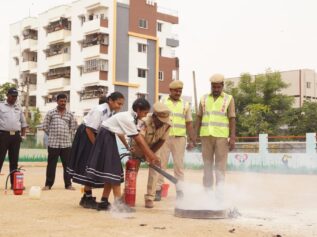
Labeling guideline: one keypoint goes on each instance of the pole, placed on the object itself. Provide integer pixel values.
(27, 96)
(195, 92)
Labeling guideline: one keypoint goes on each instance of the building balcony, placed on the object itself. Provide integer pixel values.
(30, 44)
(94, 77)
(61, 35)
(58, 59)
(28, 66)
(94, 50)
(95, 25)
(57, 83)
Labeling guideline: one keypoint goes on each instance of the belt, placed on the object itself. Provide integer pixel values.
(10, 132)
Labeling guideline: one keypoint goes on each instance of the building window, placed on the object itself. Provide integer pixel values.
(141, 48)
(161, 76)
(17, 39)
(95, 65)
(143, 23)
(160, 51)
(82, 19)
(308, 84)
(141, 72)
(159, 27)
(174, 75)
(16, 60)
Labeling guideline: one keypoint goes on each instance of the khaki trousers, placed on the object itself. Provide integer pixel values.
(176, 146)
(151, 182)
(215, 155)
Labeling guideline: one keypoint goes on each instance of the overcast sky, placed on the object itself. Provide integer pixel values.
(217, 36)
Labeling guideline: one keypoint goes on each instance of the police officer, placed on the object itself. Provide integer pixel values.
(181, 118)
(12, 129)
(155, 129)
(216, 126)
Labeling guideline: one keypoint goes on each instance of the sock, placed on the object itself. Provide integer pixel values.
(88, 193)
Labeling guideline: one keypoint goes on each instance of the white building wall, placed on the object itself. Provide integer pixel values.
(77, 83)
(14, 70)
(137, 60)
(167, 32)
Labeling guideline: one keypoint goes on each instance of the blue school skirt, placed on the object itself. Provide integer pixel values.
(77, 165)
(104, 164)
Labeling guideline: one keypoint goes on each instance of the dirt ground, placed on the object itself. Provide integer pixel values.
(269, 204)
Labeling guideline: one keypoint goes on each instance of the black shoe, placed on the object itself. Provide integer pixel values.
(88, 202)
(158, 196)
(103, 206)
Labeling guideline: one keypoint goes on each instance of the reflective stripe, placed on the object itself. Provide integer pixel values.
(225, 125)
(178, 115)
(179, 126)
(215, 113)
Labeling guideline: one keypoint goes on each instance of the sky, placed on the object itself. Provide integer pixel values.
(217, 36)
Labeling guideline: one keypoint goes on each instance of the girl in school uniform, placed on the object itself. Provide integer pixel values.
(104, 164)
(82, 144)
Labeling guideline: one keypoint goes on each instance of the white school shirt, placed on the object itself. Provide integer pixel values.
(97, 115)
(122, 123)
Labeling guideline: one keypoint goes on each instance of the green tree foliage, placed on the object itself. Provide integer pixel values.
(302, 120)
(4, 88)
(34, 120)
(260, 105)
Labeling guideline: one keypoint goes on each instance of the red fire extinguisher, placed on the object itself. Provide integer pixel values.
(18, 178)
(131, 172)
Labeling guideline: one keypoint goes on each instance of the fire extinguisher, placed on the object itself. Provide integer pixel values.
(131, 172)
(18, 178)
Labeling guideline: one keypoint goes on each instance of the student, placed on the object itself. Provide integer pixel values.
(104, 164)
(83, 141)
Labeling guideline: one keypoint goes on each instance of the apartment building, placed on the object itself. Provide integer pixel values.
(302, 85)
(91, 48)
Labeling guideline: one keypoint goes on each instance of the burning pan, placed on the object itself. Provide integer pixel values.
(200, 214)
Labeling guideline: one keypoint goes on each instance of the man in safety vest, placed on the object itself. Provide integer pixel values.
(181, 124)
(216, 126)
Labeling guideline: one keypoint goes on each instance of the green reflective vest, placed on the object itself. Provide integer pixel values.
(215, 121)
(178, 111)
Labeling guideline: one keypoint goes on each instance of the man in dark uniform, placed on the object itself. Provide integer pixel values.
(12, 129)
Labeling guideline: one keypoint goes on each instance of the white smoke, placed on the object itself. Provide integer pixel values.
(196, 197)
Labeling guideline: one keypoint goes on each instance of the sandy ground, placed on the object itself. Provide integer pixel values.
(270, 205)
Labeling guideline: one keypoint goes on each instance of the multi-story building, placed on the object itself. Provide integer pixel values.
(302, 85)
(92, 47)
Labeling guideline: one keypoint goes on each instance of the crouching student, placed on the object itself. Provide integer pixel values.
(104, 164)
(84, 139)
(155, 130)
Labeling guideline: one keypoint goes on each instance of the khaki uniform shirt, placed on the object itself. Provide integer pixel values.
(11, 117)
(230, 111)
(150, 133)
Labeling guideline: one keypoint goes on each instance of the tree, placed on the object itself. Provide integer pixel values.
(34, 120)
(302, 120)
(4, 89)
(260, 105)
(252, 121)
